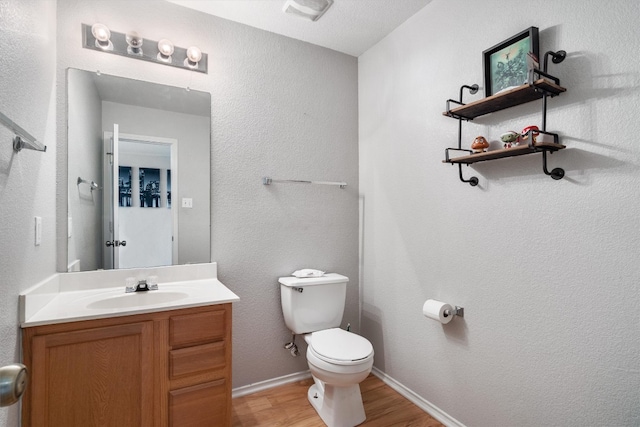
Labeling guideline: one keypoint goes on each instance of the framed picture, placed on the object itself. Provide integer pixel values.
(149, 188)
(124, 186)
(505, 64)
(169, 188)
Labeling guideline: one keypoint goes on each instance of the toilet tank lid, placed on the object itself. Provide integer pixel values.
(311, 281)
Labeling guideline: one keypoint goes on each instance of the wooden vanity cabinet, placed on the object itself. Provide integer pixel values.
(164, 369)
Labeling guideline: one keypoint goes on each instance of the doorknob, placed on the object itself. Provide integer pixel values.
(13, 381)
(109, 243)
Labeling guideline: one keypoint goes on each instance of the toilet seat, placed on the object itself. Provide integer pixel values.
(340, 347)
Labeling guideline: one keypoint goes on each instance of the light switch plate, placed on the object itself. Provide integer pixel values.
(38, 230)
(187, 202)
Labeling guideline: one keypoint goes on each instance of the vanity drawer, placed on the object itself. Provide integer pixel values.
(192, 360)
(201, 405)
(189, 329)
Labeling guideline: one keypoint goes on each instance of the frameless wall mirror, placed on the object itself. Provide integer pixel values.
(138, 173)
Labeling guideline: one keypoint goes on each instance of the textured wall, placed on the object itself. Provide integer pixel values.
(546, 270)
(27, 179)
(280, 108)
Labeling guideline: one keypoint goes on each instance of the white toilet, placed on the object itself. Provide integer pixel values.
(338, 360)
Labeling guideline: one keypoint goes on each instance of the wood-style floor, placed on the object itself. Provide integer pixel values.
(287, 406)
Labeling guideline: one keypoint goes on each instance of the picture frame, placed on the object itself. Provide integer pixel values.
(506, 65)
(149, 187)
(124, 186)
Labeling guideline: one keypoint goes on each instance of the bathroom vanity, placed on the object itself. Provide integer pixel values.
(166, 362)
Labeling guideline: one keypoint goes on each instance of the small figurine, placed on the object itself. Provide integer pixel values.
(510, 139)
(479, 144)
(534, 134)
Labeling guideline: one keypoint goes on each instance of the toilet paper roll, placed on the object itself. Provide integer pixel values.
(435, 310)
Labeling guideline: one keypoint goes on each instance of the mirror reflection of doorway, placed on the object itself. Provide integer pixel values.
(138, 209)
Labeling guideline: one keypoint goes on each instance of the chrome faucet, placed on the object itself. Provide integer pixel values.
(142, 286)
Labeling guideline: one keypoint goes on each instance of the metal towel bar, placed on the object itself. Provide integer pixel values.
(23, 139)
(267, 181)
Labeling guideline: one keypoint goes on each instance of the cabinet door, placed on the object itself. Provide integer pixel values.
(94, 377)
(200, 405)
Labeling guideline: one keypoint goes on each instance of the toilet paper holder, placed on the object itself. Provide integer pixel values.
(457, 311)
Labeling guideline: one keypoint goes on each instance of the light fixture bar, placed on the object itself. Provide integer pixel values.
(149, 50)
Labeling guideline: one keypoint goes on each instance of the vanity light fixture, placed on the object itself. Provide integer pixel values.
(194, 55)
(165, 50)
(102, 35)
(134, 43)
(99, 38)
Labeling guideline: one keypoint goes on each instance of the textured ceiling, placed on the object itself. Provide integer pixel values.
(349, 26)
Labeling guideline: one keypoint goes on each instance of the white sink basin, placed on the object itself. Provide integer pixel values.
(137, 299)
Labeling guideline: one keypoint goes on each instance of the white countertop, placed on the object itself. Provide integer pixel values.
(61, 298)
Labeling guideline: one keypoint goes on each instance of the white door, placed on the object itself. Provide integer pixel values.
(139, 234)
(111, 236)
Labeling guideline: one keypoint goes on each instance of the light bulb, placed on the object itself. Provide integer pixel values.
(194, 55)
(102, 35)
(134, 42)
(100, 32)
(165, 48)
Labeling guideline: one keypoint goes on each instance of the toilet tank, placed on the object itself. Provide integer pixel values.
(313, 304)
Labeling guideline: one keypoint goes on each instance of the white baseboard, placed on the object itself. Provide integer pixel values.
(267, 384)
(421, 403)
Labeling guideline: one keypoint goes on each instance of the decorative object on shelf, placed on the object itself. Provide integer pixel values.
(530, 130)
(480, 144)
(510, 139)
(98, 37)
(545, 138)
(506, 65)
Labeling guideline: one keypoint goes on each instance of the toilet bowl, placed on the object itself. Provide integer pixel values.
(338, 361)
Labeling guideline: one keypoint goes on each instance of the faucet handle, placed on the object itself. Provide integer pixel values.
(130, 284)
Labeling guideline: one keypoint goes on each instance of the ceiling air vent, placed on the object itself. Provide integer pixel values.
(308, 9)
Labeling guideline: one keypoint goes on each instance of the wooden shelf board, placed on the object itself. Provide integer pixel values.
(506, 152)
(516, 96)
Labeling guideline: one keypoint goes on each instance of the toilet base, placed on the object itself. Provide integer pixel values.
(338, 406)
